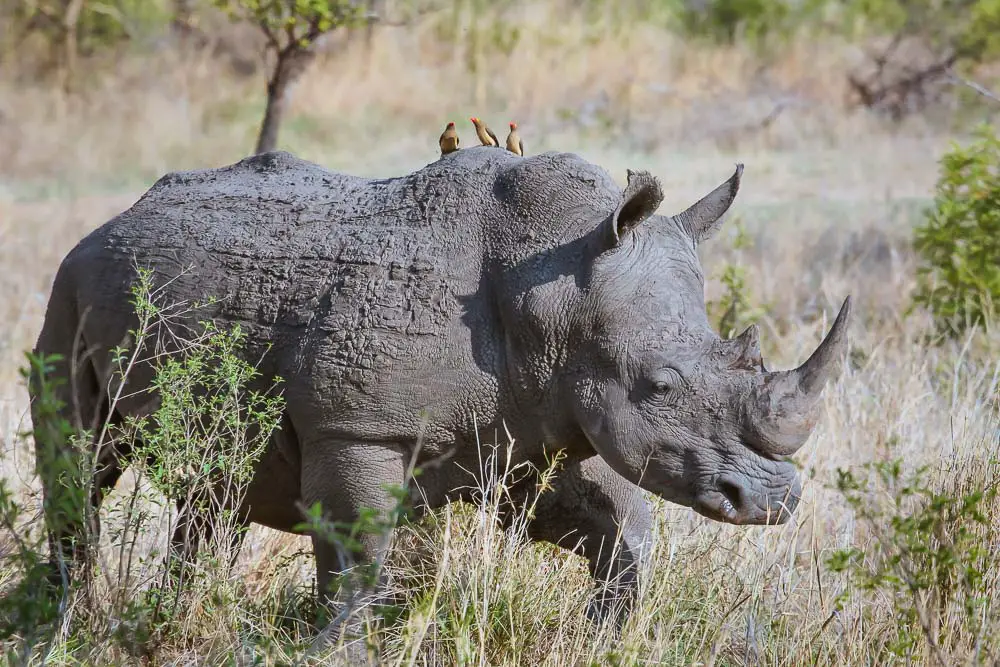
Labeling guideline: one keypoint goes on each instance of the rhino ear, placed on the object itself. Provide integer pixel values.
(642, 196)
(704, 217)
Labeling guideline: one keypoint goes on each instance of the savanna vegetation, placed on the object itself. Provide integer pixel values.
(868, 129)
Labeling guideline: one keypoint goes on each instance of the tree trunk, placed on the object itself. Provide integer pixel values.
(292, 62)
(277, 100)
(376, 8)
(71, 20)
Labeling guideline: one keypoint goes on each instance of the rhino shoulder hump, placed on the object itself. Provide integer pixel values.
(545, 185)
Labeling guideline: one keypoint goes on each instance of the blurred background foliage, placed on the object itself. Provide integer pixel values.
(51, 34)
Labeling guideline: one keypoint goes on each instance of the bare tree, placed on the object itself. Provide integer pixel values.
(923, 43)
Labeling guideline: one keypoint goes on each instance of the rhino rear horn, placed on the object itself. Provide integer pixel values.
(704, 217)
(744, 350)
(782, 412)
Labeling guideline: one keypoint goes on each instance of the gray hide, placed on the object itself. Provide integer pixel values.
(483, 287)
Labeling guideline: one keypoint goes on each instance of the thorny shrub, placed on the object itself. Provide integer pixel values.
(197, 449)
(734, 309)
(933, 554)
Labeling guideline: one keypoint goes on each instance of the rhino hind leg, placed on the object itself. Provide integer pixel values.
(81, 402)
(599, 515)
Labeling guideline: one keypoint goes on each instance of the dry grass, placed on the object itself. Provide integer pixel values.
(828, 199)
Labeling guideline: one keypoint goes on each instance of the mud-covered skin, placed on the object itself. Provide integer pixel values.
(485, 290)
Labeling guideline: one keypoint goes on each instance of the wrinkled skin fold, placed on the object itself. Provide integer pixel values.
(483, 292)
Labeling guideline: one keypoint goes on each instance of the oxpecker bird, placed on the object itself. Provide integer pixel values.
(449, 139)
(514, 143)
(485, 134)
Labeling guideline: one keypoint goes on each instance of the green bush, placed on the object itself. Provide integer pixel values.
(723, 20)
(959, 240)
(761, 22)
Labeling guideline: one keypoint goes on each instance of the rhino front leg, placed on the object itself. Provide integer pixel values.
(598, 514)
(348, 480)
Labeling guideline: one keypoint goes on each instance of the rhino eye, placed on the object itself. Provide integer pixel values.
(665, 381)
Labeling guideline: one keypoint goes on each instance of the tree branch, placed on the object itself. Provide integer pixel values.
(982, 90)
(272, 39)
(290, 33)
(314, 32)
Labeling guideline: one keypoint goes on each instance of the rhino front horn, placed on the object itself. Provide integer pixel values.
(782, 411)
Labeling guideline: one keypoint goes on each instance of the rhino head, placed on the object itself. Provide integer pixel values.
(658, 394)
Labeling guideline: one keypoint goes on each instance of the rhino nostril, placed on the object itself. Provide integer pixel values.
(733, 493)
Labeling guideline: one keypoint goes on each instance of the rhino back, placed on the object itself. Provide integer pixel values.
(367, 291)
(280, 240)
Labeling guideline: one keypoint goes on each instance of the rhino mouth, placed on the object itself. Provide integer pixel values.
(732, 501)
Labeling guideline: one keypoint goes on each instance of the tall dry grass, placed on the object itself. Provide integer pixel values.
(828, 199)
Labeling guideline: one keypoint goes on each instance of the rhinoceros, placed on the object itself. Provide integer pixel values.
(483, 293)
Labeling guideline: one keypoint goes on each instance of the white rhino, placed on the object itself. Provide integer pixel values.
(485, 290)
